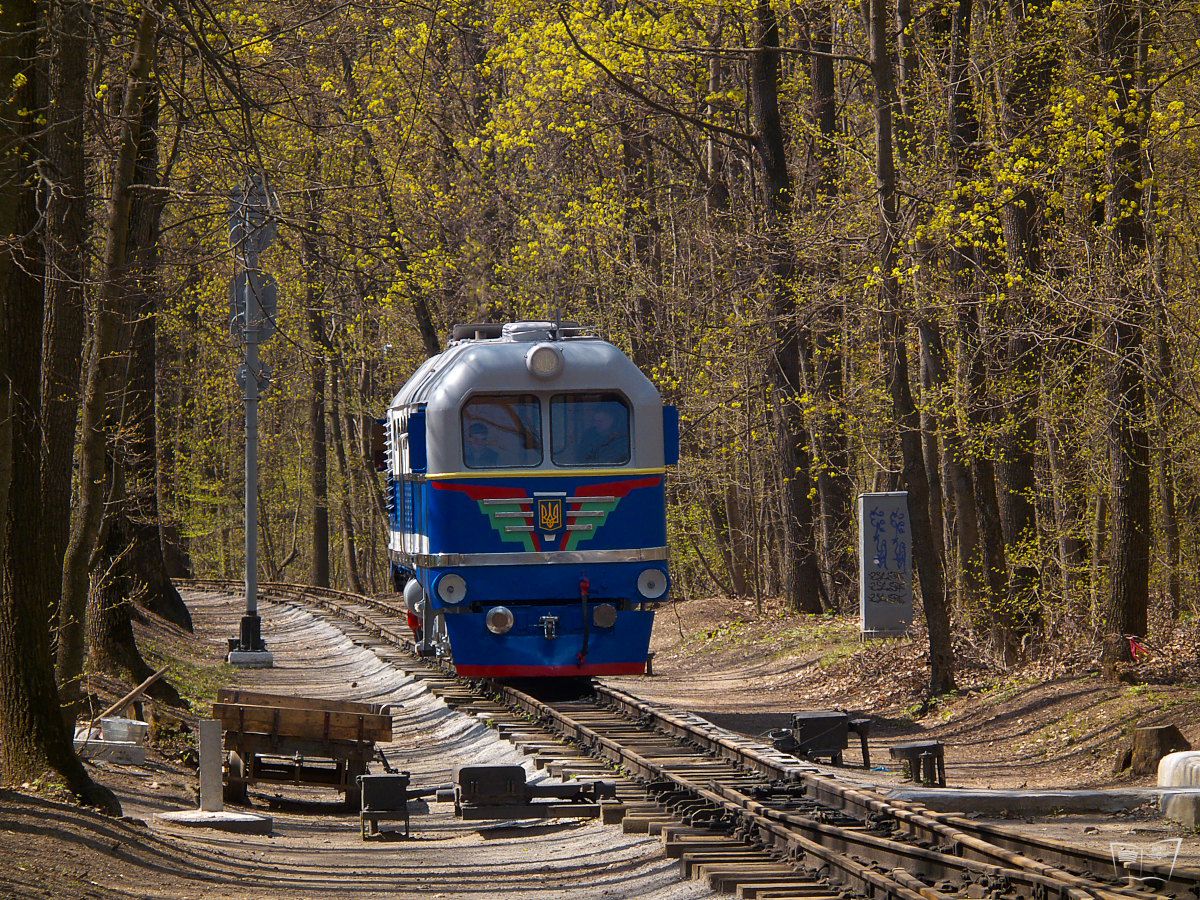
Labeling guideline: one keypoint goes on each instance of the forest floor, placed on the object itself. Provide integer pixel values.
(1053, 725)
(1050, 724)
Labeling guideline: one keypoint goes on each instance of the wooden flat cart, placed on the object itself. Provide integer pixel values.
(298, 740)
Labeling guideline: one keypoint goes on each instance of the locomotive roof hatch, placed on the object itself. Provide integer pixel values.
(498, 359)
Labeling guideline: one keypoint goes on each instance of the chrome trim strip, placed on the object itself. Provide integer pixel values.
(544, 473)
(640, 554)
(512, 515)
(584, 513)
(591, 499)
(502, 501)
(512, 529)
(586, 526)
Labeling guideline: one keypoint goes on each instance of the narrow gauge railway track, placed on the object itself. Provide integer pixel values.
(731, 795)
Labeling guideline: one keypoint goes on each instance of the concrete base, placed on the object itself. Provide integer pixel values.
(1025, 802)
(125, 753)
(236, 822)
(1182, 806)
(251, 659)
(1179, 770)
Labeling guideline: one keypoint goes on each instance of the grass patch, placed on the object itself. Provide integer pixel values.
(197, 683)
(835, 654)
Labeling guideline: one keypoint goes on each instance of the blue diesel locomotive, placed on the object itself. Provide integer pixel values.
(527, 513)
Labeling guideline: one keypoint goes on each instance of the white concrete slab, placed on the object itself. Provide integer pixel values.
(1180, 770)
(251, 659)
(226, 820)
(125, 753)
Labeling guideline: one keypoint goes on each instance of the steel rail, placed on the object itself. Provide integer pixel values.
(958, 847)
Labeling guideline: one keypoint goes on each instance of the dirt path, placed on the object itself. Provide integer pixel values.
(316, 850)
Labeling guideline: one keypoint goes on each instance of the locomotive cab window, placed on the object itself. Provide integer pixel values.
(502, 431)
(589, 429)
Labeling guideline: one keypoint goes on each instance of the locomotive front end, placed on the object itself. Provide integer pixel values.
(534, 527)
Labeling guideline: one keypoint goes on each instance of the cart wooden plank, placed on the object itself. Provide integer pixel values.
(258, 698)
(305, 723)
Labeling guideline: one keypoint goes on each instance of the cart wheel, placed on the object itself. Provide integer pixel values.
(235, 787)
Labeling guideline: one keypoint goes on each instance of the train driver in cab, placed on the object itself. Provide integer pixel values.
(605, 440)
(478, 452)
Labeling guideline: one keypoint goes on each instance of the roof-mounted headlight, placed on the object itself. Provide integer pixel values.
(544, 361)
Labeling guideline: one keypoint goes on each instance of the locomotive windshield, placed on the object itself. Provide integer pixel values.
(502, 431)
(589, 429)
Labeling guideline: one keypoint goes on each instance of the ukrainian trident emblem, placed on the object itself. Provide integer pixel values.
(548, 516)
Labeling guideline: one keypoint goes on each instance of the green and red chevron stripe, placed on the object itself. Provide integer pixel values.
(520, 512)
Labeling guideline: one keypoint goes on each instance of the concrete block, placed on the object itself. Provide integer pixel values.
(125, 753)
(1182, 806)
(251, 659)
(124, 730)
(236, 822)
(1181, 770)
(211, 799)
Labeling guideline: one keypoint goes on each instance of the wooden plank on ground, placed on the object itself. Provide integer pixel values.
(259, 698)
(317, 724)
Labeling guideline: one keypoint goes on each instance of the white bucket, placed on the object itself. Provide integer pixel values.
(127, 730)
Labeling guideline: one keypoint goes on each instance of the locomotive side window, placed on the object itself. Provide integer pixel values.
(502, 431)
(589, 429)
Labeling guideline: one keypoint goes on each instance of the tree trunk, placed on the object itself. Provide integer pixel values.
(1068, 520)
(824, 363)
(804, 588)
(967, 261)
(1025, 101)
(128, 565)
(316, 400)
(1163, 398)
(66, 223)
(641, 218)
(926, 555)
(958, 475)
(34, 738)
(929, 436)
(119, 581)
(105, 361)
(1125, 609)
(136, 450)
(353, 578)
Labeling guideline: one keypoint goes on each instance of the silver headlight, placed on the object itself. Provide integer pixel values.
(544, 361)
(604, 615)
(452, 588)
(652, 584)
(413, 593)
(500, 620)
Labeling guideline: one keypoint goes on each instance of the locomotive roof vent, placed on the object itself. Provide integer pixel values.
(476, 331)
(528, 331)
(519, 332)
